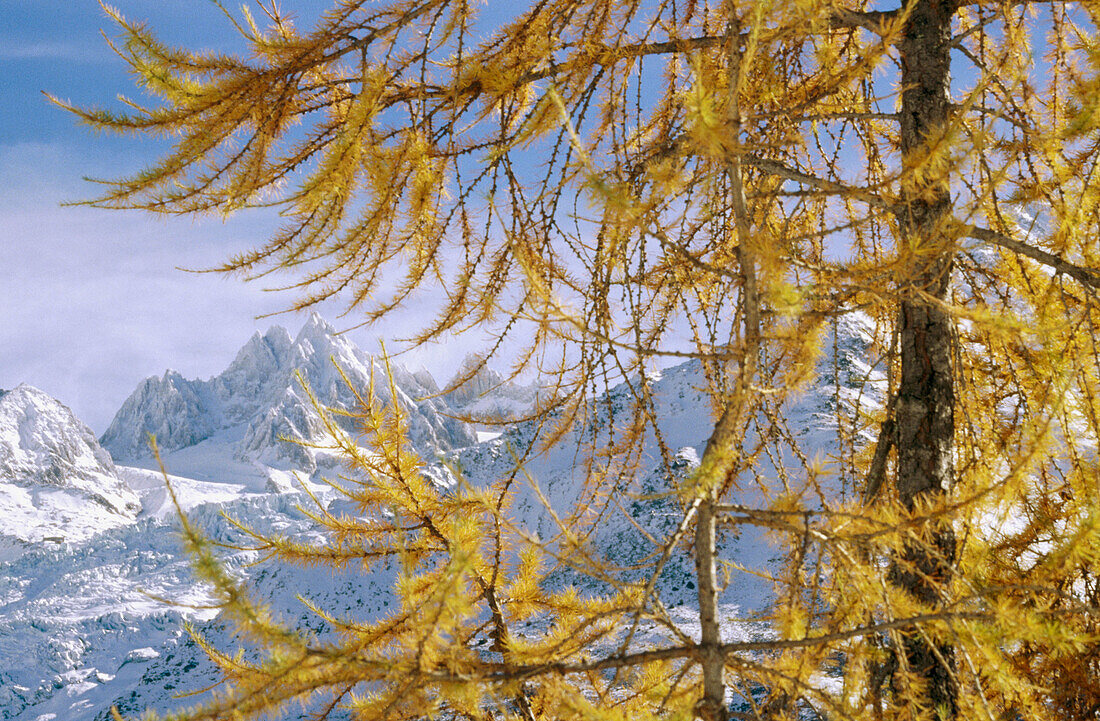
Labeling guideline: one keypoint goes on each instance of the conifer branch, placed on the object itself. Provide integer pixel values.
(876, 472)
(781, 170)
(499, 673)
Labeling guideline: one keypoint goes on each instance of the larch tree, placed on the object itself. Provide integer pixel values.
(614, 185)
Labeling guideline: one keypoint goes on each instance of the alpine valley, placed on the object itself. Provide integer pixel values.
(90, 555)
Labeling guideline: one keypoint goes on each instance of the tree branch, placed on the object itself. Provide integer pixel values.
(872, 20)
(1085, 276)
(876, 474)
(783, 171)
(497, 672)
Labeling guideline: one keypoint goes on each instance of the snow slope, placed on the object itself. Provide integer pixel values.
(552, 481)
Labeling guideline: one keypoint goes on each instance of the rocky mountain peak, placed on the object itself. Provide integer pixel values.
(318, 342)
(36, 429)
(258, 401)
(473, 380)
(317, 326)
(175, 410)
(268, 350)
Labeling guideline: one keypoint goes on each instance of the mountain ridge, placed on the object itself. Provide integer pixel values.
(93, 641)
(258, 400)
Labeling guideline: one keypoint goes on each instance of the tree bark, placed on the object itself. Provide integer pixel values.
(924, 420)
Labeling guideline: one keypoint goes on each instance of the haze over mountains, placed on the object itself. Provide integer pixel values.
(86, 528)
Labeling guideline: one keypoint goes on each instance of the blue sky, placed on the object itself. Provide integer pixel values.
(92, 301)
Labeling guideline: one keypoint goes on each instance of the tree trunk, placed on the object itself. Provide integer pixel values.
(712, 706)
(925, 424)
(721, 459)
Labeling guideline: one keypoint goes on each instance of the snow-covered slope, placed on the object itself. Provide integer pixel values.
(552, 482)
(57, 485)
(77, 635)
(234, 424)
(82, 626)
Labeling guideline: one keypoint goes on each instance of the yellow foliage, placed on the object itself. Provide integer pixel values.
(614, 185)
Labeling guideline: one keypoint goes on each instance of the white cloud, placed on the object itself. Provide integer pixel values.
(92, 300)
(50, 50)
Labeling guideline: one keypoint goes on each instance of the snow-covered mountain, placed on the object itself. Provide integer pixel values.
(682, 410)
(78, 633)
(57, 484)
(238, 419)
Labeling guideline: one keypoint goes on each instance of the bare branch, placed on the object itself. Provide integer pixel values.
(783, 171)
(876, 474)
(497, 672)
(1087, 276)
(872, 20)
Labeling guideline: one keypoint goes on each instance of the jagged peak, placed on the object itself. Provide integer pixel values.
(315, 320)
(475, 360)
(22, 387)
(170, 380)
(479, 371)
(272, 345)
(35, 420)
(261, 380)
(320, 338)
(474, 369)
(277, 335)
(255, 344)
(316, 327)
(471, 360)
